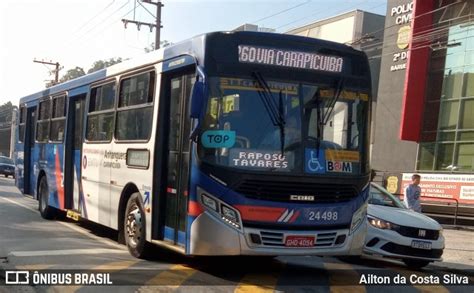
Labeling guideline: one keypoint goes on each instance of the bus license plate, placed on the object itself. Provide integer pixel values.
(421, 244)
(299, 241)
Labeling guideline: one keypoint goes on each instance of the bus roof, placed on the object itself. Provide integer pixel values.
(194, 47)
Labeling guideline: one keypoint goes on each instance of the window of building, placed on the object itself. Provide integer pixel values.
(58, 119)
(447, 138)
(42, 124)
(100, 119)
(135, 110)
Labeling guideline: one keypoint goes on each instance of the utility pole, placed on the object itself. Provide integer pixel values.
(56, 70)
(157, 25)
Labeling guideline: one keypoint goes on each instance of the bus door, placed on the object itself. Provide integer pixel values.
(28, 159)
(73, 153)
(177, 157)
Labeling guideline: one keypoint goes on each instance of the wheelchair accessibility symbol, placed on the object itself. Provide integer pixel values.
(313, 163)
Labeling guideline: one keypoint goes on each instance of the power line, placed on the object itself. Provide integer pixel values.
(98, 25)
(282, 11)
(427, 35)
(413, 18)
(319, 11)
(157, 25)
(92, 18)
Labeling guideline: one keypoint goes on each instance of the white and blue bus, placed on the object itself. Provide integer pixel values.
(230, 143)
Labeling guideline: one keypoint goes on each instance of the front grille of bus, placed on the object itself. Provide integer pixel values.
(281, 191)
(277, 239)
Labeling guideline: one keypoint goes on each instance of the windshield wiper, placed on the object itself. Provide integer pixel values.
(333, 102)
(275, 112)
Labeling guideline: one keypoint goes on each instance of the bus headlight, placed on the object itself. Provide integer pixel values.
(209, 202)
(229, 214)
(219, 209)
(358, 218)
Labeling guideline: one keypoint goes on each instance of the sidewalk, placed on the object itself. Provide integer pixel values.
(459, 249)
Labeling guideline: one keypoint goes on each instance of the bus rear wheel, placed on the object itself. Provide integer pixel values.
(135, 227)
(46, 211)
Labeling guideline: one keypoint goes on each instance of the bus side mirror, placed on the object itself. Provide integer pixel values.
(198, 99)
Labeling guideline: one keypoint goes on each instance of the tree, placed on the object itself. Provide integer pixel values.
(101, 64)
(6, 111)
(163, 44)
(72, 73)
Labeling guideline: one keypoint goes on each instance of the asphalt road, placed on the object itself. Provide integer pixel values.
(28, 242)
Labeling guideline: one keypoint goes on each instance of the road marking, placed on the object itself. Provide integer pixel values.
(173, 277)
(73, 226)
(117, 265)
(37, 267)
(65, 252)
(340, 274)
(258, 283)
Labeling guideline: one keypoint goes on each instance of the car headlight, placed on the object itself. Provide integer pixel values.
(358, 217)
(381, 224)
(221, 210)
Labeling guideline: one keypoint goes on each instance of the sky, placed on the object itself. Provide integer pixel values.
(79, 32)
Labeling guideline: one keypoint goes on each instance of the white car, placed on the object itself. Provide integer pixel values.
(394, 231)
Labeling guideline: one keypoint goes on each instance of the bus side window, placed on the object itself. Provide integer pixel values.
(58, 119)
(135, 107)
(100, 120)
(42, 124)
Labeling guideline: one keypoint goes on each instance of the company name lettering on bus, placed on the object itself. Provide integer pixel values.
(241, 158)
(218, 139)
(115, 155)
(337, 166)
(295, 59)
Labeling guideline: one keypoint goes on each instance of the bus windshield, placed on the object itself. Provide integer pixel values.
(274, 126)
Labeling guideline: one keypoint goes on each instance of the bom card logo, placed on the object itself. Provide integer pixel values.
(337, 166)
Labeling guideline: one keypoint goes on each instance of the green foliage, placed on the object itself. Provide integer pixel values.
(101, 64)
(72, 73)
(6, 111)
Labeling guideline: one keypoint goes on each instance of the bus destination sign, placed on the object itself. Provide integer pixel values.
(288, 58)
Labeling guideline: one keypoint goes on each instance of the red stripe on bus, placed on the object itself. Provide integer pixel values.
(59, 181)
(259, 213)
(194, 209)
(294, 217)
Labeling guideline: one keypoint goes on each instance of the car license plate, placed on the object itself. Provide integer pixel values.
(299, 241)
(421, 244)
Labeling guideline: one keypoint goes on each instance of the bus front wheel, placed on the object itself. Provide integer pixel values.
(46, 211)
(135, 227)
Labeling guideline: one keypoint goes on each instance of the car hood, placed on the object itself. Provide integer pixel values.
(403, 217)
(7, 165)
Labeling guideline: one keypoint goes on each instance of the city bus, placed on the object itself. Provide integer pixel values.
(230, 143)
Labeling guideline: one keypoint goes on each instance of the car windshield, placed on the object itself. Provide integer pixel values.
(381, 197)
(269, 125)
(5, 160)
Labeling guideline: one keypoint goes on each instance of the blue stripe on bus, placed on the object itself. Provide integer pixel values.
(169, 233)
(181, 237)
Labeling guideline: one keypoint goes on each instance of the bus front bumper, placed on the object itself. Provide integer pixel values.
(210, 236)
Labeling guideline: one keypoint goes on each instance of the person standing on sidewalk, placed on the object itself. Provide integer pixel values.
(413, 193)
